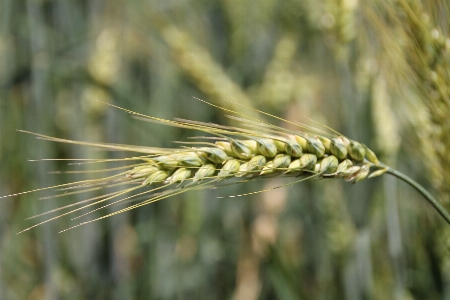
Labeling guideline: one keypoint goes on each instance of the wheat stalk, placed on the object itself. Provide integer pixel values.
(417, 41)
(258, 150)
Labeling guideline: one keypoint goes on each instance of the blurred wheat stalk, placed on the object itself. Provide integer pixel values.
(426, 26)
(415, 36)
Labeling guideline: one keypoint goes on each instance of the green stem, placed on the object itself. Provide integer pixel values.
(441, 210)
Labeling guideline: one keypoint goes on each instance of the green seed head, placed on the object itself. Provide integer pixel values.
(268, 169)
(179, 175)
(156, 177)
(229, 168)
(329, 165)
(294, 166)
(361, 175)
(256, 163)
(344, 140)
(371, 156)
(226, 147)
(281, 161)
(301, 141)
(215, 155)
(308, 161)
(207, 170)
(280, 145)
(317, 166)
(141, 171)
(168, 161)
(293, 149)
(326, 143)
(344, 166)
(350, 171)
(241, 150)
(356, 151)
(315, 147)
(243, 170)
(191, 159)
(251, 144)
(338, 149)
(377, 173)
(266, 147)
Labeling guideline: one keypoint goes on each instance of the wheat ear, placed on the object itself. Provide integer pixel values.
(257, 150)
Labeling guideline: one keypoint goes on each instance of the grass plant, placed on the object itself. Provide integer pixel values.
(257, 150)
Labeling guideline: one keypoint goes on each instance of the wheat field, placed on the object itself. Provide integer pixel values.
(376, 72)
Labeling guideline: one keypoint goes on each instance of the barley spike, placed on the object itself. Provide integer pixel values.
(231, 153)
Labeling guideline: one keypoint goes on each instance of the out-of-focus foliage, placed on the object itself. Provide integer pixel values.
(375, 70)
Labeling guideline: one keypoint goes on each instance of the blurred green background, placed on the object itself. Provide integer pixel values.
(375, 71)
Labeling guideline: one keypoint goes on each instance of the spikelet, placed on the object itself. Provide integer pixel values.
(237, 152)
